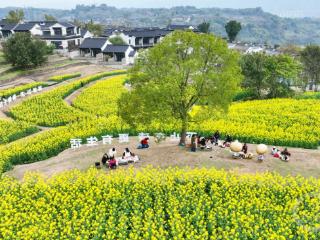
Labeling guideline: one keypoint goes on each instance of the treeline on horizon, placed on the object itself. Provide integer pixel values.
(257, 26)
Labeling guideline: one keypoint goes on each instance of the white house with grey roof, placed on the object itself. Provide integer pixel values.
(63, 35)
(141, 38)
(124, 54)
(93, 46)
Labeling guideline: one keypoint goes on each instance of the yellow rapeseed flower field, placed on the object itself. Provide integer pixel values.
(160, 204)
(49, 109)
(13, 130)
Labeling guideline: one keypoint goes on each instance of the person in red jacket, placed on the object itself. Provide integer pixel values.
(112, 163)
(144, 143)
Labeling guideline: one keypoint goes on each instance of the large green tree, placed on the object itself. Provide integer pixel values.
(48, 17)
(233, 28)
(95, 28)
(15, 16)
(204, 27)
(184, 70)
(269, 76)
(24, 51)
(310, 58)
(117, 40)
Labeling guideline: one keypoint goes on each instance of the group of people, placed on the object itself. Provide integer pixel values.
(283, 155)
(215, 140)
(208, 143)
(110, 159)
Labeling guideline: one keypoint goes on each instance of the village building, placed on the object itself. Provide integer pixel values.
(93, 46)
(63, 35)
(124, 54)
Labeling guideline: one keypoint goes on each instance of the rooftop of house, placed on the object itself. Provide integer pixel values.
(115, 48)
(93, 43)
(181, 27)
(9, 27)
(83, 32)
(24, 26)
(132, 53)
(3, 22)
(147, 32)
(47, 24)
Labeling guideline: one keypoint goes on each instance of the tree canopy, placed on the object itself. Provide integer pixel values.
(95, 28)
(24, 51)
(233, 28)
(204, 27)
(269, 76)
(310, 58)
(48, 17)
(184, 70)
(15, 16)
(117, 40)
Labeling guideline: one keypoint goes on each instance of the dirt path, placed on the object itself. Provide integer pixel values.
(85, 69)
(168, 154)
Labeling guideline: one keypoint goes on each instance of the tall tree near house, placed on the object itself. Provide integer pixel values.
(24, 51)
(269, 76)
(310, 58)
(117, 40)
(95, 28)
(15, 16)
(233, 28)
(282, 72)
(204, 27)
(184, 70)
(254, 73)
(48, 17)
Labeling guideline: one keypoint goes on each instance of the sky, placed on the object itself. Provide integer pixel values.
(285, 8)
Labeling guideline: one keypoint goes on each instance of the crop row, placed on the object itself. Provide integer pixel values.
(19, 89)
(49, 109)
(61, 78)
(13, 130)
(160, 204)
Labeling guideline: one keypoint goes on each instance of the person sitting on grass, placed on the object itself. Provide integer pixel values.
(127, 153)
(228, 141)
(215, 138)
(285, 154)
(112, 153)
(144, 143)
(244, 151)
(112, 163)
(274, 151)
(105, 159)
(202, 143)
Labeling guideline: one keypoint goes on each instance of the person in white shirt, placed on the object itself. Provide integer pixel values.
(127, 153)
(112, 153)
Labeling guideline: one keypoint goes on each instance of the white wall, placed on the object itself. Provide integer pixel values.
(36, 30)
(57, 25)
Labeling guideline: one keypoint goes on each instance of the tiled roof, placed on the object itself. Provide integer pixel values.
(116, 48)
(24, 27)
(9, 27)
(93, 43)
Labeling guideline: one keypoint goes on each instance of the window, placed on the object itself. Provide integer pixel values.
(57, 31)
(70, 31)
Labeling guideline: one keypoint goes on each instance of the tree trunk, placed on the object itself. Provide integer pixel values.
(183, 133)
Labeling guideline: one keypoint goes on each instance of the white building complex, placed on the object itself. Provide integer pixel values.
(63, 35)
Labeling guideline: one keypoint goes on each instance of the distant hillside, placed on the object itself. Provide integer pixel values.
(258, 26)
